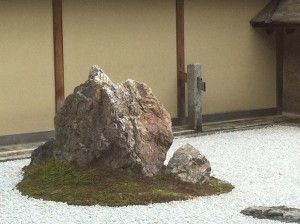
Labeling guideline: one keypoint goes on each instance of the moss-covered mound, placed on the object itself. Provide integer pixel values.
(60, 181)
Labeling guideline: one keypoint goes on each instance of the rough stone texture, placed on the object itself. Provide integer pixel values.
(280, 213)
(43, 152)
(189, 165)
(120, 126)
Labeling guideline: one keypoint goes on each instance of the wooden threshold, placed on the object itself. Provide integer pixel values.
(234, 115)
(237, 125)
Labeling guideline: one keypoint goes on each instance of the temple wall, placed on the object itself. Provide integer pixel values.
(26, 66)
(128, 39)
(136, 39)
(238, 61)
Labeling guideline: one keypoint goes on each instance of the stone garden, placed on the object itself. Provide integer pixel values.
(114, 159)
(110, 145)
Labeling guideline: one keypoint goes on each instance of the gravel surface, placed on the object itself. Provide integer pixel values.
(263, 165)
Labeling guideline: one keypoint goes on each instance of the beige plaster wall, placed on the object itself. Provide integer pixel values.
(238, 60)
(128, 39)
(131, 39)
(26, 66)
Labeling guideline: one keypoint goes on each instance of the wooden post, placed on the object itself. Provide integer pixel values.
(195, 86)
(58, 54)
(279, 67)
(181, 75)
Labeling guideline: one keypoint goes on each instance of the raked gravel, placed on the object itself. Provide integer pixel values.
(262, 164)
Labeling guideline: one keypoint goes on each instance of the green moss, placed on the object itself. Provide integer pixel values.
(60, 181)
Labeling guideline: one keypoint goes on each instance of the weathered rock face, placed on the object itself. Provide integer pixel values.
(188, 165)
(44, 152)
(280, 213)
(117, 125)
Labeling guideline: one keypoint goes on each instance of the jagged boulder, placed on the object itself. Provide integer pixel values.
(189, 165)
(120, 126)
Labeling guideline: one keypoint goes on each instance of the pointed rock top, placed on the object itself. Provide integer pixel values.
(98, 75)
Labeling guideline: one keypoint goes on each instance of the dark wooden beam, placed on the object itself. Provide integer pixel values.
(181, 75)
(279, 67)
(58, 53)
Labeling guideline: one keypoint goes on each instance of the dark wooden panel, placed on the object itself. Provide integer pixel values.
(181, 76)
(291, 76)
(279, 66)
(58, 53)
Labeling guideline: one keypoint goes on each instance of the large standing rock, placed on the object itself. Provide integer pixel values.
(189, 165)
(116, 125)
(280, 213)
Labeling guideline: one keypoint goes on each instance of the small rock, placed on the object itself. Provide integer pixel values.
(189, 165)
(279, 213)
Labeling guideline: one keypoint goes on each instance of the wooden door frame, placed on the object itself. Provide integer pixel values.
(180, 49)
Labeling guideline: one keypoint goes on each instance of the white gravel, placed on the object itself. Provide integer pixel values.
(263, 164)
